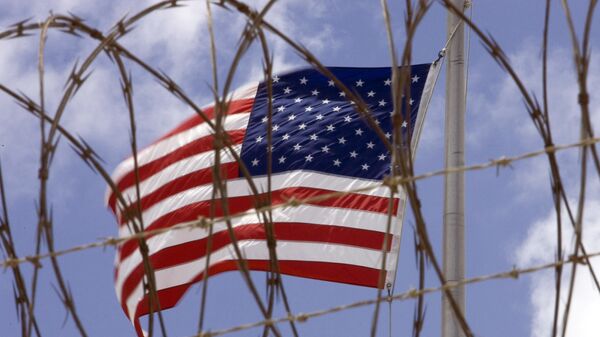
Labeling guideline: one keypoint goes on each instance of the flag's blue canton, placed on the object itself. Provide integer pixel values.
(315, 127)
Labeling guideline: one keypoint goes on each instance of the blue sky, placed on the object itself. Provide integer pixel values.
(510, 219)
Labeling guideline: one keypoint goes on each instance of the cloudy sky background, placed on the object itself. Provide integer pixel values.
(510, 218)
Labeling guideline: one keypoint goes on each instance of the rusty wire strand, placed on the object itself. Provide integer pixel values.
(514, 273)
(581, 63)
(45, 227)
(204, 223)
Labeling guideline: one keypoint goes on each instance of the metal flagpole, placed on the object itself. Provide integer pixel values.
(454, 220)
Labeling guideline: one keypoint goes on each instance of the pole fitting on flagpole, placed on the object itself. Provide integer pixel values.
(468, 4)
(441, 55)
(442, 52)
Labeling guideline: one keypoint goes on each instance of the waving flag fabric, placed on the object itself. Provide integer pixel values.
(320, 144)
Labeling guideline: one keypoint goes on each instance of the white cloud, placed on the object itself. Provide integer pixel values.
(540, 247)
(502, 127)
(501, 122)
(172, 40)
(502, 104)
(317, 38)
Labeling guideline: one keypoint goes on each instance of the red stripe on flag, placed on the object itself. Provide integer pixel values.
(183, 183)
(198, 146)
(187, 252)
(240, 204)
(235, 107)
(326, 271)
(244, 203)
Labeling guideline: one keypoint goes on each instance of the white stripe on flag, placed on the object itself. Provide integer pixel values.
(178, 169)
(245, 92)
(327, 216)
(239, 187)
(257, 250)
(168, 145)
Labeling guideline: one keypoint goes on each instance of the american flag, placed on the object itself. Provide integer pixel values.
(320, 144)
